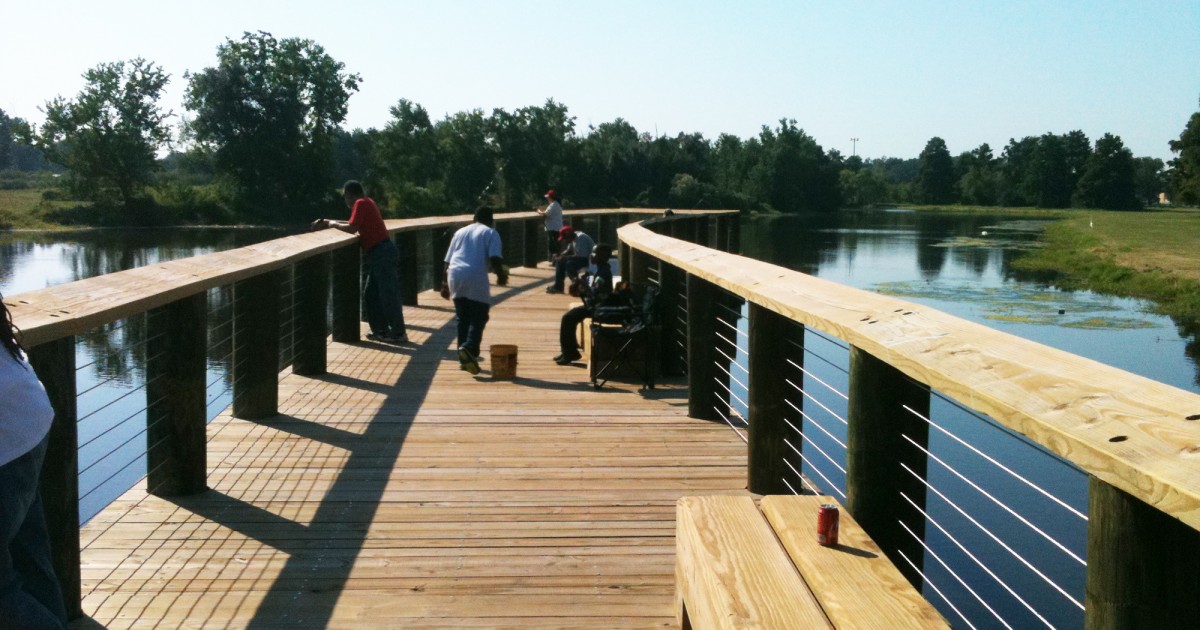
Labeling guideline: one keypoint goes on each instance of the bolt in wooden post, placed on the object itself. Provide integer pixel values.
(767, 356)
(1143, 565)
(876, 453)
(256, 346)
(674, 337)
(701, 330)
(347, 300)
(176, 441)
(312, 305)
(54, 363)
(410, 282)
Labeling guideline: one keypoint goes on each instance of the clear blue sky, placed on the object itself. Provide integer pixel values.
(890, 73)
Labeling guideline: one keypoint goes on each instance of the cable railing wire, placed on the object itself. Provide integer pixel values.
(731, 395)
(810, 441)
(925, 579)
(731, 425)
(952, 573)
(995, 538)
(976, 560)
(812, 422)
(817, 379)
(818, 403)
(1039, 531)
(817, 470)
(131, 438)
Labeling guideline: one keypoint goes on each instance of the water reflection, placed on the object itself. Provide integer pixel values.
(961, 264)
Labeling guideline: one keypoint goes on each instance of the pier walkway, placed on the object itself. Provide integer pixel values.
(400, 491)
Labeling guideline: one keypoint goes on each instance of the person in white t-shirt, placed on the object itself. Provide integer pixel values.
(553, 215)
(30, 595)
(471, 250)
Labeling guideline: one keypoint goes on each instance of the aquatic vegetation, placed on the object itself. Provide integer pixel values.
(1021, 304)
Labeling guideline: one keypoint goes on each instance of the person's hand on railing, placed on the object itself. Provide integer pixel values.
(319, 224)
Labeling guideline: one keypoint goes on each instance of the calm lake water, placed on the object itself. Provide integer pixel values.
(957, 264)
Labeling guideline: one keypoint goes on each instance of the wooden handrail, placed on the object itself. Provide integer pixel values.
(70, 309)
(1132, 432)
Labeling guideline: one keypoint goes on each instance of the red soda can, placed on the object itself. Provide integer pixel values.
(827, 525)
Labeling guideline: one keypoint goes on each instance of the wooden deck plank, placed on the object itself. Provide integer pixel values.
(400, 491)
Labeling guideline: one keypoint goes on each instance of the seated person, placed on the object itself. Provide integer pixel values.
(595, 289)
(577, 247)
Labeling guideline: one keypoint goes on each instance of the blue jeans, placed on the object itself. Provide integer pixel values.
(381, 294)
(472, 317)
(567, 267)
(30, 596)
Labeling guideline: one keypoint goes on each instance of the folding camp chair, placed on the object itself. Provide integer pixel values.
(625, 340)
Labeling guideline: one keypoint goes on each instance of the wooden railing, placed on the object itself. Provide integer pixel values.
(326, 267)
(1138, 440)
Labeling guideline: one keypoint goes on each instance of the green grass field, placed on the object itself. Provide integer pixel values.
(25, 209)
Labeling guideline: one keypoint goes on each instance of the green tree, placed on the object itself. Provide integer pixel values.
(7, 140)
(1016, 187)
(268, 110)
(935, 173)
(792, 172)
(863, 187)
(1149, 179)
(1108, 178)
(1049, 176)
(979, 183)
(616, 165)
(109, 135)
(532, 144)
(408, 163)
(1185, 167)
(468, 159)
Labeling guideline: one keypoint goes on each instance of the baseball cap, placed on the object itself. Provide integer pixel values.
(552, 194)
(565, 232)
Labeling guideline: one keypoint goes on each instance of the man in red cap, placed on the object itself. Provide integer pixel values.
(577, 247)
(553, 216)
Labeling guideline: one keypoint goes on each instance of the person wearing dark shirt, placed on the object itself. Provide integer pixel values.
(594, 289)
(381, 293)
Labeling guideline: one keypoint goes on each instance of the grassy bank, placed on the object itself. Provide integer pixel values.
(1150, 255)
(29, 209)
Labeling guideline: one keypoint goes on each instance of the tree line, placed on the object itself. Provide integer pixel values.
(263, 134)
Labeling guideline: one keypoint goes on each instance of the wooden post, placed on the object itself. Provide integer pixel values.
(639, 267)
(1143, 565)
(534, 242)
(767, 356)
(176, 416)
(624, 259)
(701, 328)
(876, 451)
(735, 234)
(441, 244)
(606, 232)
(54, 363)
(410, 281)
(674, 338)
(312, 304)
(700, 229)
(508, 243)
(256, 346)
(347, 280)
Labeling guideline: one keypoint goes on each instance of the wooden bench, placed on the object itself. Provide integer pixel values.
(737, 567)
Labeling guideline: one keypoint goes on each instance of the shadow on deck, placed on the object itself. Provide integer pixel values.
(399, 491)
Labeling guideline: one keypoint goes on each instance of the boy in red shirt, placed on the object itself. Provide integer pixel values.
(381, 293)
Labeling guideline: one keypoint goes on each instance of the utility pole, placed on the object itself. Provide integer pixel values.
(853, 146)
